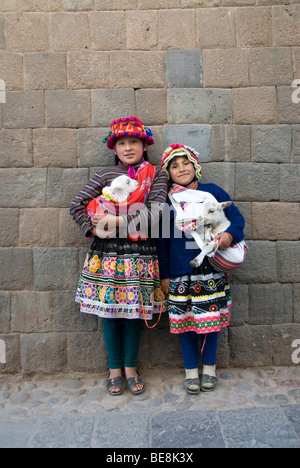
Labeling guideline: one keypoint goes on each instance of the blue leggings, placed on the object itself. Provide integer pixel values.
(189, 346)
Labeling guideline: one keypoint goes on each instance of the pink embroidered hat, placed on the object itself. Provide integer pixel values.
(180, 150)
(128, 126)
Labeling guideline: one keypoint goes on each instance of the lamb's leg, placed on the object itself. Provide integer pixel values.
(199, 259)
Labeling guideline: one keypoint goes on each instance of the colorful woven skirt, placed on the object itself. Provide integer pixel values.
(120, 279)
(201, 302)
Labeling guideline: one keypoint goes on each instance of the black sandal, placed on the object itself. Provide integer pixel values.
(116, 382)
(133, 381)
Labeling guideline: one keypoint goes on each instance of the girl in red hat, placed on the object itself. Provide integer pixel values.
(120, 279)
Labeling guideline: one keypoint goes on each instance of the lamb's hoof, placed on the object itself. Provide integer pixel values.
(194, 264)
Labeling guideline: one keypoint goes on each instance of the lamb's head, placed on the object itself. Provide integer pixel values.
(213, 213)
(123, 185)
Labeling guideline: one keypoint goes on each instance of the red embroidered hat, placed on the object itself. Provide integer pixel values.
(128, 126)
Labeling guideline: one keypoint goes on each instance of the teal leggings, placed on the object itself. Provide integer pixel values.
(122, 339)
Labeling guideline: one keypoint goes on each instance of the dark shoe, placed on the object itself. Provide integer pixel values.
(192, 386)
(133, 381)
(208, 383)
(116, 382)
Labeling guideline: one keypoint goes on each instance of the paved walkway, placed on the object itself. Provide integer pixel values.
(250, 408)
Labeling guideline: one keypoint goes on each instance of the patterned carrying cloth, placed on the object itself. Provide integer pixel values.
(145, 176)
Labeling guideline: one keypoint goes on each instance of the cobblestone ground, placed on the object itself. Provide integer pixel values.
(29, 401)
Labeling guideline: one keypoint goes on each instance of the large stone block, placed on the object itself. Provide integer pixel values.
(289, 182)
(283, 337)
(196, 136)
(216, 28)
(286, 25)
(231, 143)
(67, 316)
(142, 29)
(109, 103)
(257, 182)
(39, 227)
(151, 106)
(194, 106)
(69, 31)
(86, 352)
(288, 110)
(16, 269)
(27, 32)
(260, 265)
(270, 304)
(9, 227)
(108, 30)
(221, 174)
(240, 304)
(64, 184)
(55, 269)
(2, 32)
(88, 70)
(12, 354)
(45, 71)
(177, 29)
(137, 69)
(68, 108)
(11, 68)
(22, 187)
(55, 147)
(24, 109)
(276, 221)
(254, 105)
(16, 148)
(271, 143)
(296, 143)
(184, 69)
(5, 313)
(225, 68)
(31, 312)
(44, 353)
(254, 26)
(91, 151)
(288, 262)
(270, 66)
(250, 346)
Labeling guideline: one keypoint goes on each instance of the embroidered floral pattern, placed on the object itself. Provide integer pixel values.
(95, 264)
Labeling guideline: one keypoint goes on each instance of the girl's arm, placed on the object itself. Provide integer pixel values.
(237, 220)
(78, 206)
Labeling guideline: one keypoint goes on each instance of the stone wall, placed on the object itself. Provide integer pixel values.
(214, 74)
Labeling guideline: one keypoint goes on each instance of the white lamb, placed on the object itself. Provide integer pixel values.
(211, 222)
(121, 188)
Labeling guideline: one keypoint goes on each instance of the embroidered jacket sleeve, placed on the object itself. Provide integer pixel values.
(236, 228)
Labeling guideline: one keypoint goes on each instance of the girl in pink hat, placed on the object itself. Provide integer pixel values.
(120, 279)
(199, 298)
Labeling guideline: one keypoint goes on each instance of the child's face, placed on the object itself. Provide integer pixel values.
(182, 171)
(130, 150)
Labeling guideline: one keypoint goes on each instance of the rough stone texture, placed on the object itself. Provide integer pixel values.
(218, 75)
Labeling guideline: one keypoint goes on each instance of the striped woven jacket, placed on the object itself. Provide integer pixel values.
(103, 178)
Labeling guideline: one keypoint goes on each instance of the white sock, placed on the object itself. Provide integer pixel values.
(192, 373)
(209, 370)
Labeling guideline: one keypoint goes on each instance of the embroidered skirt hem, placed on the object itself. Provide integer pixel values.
(201, 302)
(120, 279)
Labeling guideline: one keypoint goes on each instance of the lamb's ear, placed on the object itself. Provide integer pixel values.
(226, 204)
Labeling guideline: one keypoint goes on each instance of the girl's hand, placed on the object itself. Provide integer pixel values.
(165, 285)
(97, 218)
(225, 240)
